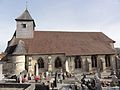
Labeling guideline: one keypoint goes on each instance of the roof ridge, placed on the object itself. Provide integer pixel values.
(68, 31)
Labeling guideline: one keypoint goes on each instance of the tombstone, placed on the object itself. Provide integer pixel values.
(84, 87)
(20, 78)
(83, 79)
(55, 81)
(83, 82)
(67, 66)
(98, 72)
(114, 79)
(46, 73)
(36, 68)
(91, 84)
(113, 72)
(1, 75)
(97, 82)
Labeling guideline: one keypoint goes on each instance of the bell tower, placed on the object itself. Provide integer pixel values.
(25, 26)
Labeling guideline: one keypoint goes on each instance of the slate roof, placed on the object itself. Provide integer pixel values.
(68, 43)
(25, 16)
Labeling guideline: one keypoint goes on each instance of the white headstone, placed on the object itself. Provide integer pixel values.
(1, 75)
(36, 68)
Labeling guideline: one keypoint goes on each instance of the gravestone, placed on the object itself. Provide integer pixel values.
(97, 82)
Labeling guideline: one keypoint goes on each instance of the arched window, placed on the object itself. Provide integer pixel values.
(107, 60)
(40, 63)
(58, 62)
(94, 60)
(77, 62)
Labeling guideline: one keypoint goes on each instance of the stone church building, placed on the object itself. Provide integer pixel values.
(39, 51)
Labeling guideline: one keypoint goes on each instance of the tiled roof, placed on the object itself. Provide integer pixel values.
(69, 43)
(1, 55)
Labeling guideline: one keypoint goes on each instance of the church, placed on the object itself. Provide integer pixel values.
(41, 51)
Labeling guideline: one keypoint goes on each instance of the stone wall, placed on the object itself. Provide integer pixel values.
(34, 59)
(87, 64)
(13, 86)
(8, 68)
(19, 62)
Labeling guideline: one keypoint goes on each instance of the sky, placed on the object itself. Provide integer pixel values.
(62, 15)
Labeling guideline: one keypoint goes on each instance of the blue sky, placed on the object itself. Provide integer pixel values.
(62, 15)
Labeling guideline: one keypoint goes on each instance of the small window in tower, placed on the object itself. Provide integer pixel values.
(24, 25)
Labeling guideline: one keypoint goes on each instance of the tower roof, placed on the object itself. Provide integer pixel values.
(25, 16)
